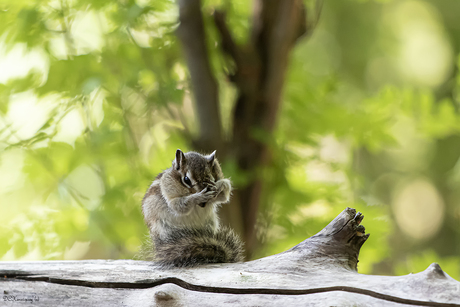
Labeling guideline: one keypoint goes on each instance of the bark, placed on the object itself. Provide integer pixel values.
(319, 271)
(192, 36)
(260, 67)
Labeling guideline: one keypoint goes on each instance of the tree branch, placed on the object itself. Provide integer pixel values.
(192, 36)
(288, 25)
(228, 44)
(277, 24)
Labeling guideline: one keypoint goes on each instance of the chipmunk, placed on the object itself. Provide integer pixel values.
(180, 210)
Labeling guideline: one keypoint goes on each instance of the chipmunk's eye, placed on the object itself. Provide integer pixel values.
(187, 181)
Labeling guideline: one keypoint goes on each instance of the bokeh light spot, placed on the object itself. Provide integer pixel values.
(418, 209)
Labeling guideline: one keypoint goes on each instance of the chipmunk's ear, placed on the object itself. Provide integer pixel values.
(211, 158)
(180, 159)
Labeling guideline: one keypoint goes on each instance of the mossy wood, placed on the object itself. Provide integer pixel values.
(317, 272)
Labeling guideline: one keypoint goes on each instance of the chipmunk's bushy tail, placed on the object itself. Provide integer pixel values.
(186, 247)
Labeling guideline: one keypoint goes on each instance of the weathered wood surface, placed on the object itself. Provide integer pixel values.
(318, 272)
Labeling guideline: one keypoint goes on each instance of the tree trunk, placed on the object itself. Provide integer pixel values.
(317, 272)
(260, 68)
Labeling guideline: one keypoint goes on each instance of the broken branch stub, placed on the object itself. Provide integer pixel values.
(335, 247)
(341, 239)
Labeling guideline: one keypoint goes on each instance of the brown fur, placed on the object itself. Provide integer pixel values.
(182, 217)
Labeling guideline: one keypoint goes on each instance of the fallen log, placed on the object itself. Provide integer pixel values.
(322, 270)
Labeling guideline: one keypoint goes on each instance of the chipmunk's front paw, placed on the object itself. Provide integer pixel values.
(205, 195)
(223, 188)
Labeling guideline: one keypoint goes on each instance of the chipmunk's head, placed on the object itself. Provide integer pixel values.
(196, 170)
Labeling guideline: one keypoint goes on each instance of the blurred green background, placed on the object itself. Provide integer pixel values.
(95, 99)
